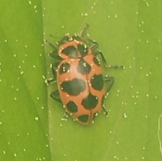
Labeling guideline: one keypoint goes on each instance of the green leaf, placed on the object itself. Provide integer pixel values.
(23, 106)
(128, 33)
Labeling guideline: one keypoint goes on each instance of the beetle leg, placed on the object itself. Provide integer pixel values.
(94, 45)
(105, 110)
(103, 58)
(110, 81)
(115, 66)
(55, 95)
(65, 116)
(54, 53)
(84, 31)
(50, 44)
(94, 49)
(53, 67)
(105, 62)
(53, 70)
(49, 81)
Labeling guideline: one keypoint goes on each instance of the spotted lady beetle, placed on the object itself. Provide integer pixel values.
(79, 76)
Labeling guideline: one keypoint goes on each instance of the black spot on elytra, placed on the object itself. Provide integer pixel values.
(97, 82)
(83, 118)
(70, 51)
(83, 49)
(72, 107)
(96, 61)
(74, 86)
(64, 68)
(83, 67)
(90, 101)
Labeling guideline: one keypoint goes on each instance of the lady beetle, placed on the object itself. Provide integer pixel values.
(81, 84)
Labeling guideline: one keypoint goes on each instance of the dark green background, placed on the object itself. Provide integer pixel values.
(129, 33)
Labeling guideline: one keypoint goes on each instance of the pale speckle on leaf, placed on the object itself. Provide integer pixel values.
(36, 118)
(125, 115)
